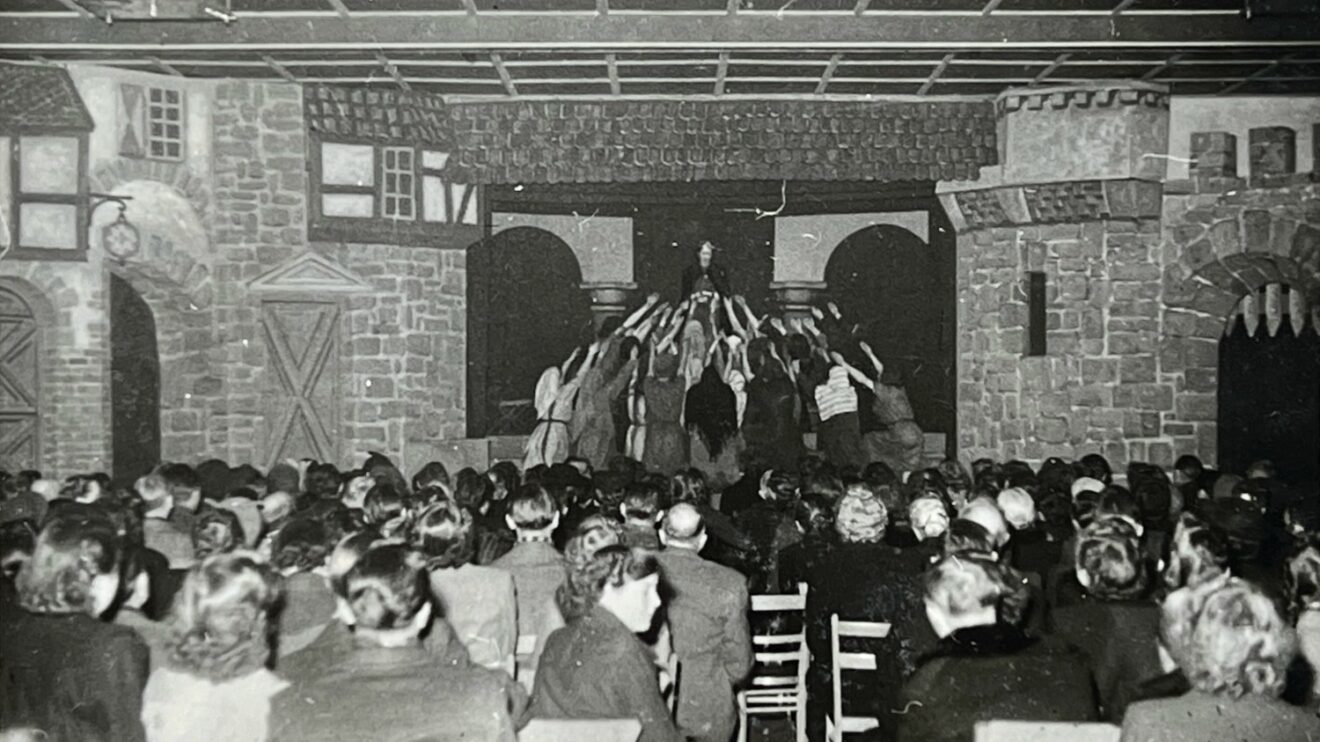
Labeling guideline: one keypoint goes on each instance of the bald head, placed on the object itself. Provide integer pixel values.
(683, 526)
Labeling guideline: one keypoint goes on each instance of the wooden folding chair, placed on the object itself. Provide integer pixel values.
(1006, 730)
(836, 723)
(778, 694)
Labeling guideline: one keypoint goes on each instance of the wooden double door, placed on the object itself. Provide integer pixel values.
(301, 391)
(20, 383)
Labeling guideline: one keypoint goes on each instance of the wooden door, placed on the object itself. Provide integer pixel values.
(300, 394)
(20, 438)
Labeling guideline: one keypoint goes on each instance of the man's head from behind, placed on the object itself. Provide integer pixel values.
(683, 528)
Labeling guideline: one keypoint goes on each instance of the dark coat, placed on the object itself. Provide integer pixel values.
(770, 425)
(595, 668)
(707, 612)
(866, 582)
(994, 672)
(1121, 638)
(72, 676)
(1197, 716)
(716, 273)
(393, 694)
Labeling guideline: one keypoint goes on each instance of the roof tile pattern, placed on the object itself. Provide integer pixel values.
(378, 115)
(641, 141)
(40, 97)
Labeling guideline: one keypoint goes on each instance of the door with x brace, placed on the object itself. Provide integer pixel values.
(300, 392)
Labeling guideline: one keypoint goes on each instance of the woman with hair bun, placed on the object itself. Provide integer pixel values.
(388, 686)
(213, 683)
(65, 671)
(1234, 648)
(595, 667)
(986, 667)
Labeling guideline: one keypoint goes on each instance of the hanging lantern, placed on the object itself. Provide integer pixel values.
(120, 238)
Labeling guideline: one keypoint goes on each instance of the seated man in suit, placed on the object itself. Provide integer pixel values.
(707, 614)
(537, 568)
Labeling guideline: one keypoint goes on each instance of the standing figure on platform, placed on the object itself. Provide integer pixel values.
(592, 429)
(840, 435)
(705, 280)
(665, 449)
(711, 415)
(770, 426)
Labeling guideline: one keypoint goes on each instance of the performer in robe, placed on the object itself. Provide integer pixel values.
(705, 280)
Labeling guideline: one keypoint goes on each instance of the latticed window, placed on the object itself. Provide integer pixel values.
(164, 124)
(399, 190)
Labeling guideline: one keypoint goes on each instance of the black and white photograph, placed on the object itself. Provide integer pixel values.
(660, 370)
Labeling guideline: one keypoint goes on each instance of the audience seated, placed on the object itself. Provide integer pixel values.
(985, 666)
(1234, 648)
(298, 552)
(478, 602)
(213, 682)
(387, 686)
(536, 567)
(163, 533)
(595, 667)
(707, 606)
(64, 670)
(1117, 621)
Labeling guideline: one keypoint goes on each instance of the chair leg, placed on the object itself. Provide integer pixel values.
(800, 720)
(742, 718)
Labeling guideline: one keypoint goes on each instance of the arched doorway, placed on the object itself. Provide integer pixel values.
(899, 290)
(1269, 386)
(20, 383)
(526, 311)
(134, 383)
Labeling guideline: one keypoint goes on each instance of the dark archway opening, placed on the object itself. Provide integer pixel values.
(1269, 399)
(900, 292)
(134, 383)
(527, 310)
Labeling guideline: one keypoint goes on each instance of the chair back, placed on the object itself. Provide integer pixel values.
(1007, 730)
(781, 692)
(576, 730)
(839, 724)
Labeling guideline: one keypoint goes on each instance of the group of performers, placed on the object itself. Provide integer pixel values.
(710, 384)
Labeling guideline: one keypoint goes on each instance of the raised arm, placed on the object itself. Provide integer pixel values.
(753, 322)
(568, 362)
(639, 313)
(856, 375)
(879, 367)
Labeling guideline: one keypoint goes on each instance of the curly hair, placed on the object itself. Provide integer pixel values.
(1198, 552)
(345, 556)
(590, 570)
(964, 584)
(532, 509)
(968, 538)
(75, 547)
(221, 626)
(302, 545)
(1304, 576)
(322, 481)
(382, 504)
(1109, 554)
(1228, 638)
(472, 489)
(432, 474)
(689, 485)
(444, 534)
(216, 531)
(387, 586)
(814, 515)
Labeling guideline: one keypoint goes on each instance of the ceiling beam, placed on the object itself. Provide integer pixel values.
(393, 71)
(935, 75)
(618, 31)
(339, 7)
(721, 72)
(279, 69)
(78, 8)
(498, 62)
(612, 66)
(1263, 71)
(1157, 71)
(165, 67)
(1058, 61)
(825, 76)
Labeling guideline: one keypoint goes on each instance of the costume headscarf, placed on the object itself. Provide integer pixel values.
(712, 411)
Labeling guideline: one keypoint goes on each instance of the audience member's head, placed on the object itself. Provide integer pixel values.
(1095, 466)
(216, 531)
(322, 482)
(1017, 507)
(472, 490)
(532, 512)
(689, 485)
(1198, 553)
(814, 516)
(443, 534)
(83, 488)
(300, 546)
(621, 580)
(860, 516)
(966, 537)
(388, 592)
(929, 517)
(968, 591)
(276, 509)
(506, 478)
(248, 513)
(17, 540)
(221, 623)
(1109, 560)
(642, 505)
(342, 558)
(155, 493)
(984, 511)
(683, 528)
(1228, 638)
(74, 566)
(382, 505)
(184, 485)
